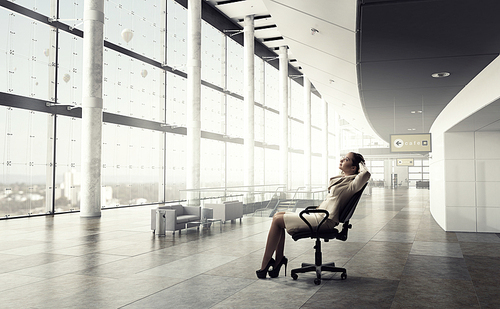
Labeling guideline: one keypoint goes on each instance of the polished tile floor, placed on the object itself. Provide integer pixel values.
(396, 257)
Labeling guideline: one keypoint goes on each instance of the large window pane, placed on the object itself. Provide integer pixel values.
(272, 166)
(132, 88)
(68, 160)
(234, 117)
(296, 135)
(176, 35)
(24, 181)
(176, 166)
(272, 128)
(212, 54)
(296, 100)
(69, 83)
(272, 87)
(136, 25)
(296, 170)
(176, 100)
(28, 51)
(212, 163)
(132, 164)
(234, 165)
(234, 67)
(212, 110)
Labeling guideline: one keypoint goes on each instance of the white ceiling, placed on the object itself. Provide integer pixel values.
(327, 57)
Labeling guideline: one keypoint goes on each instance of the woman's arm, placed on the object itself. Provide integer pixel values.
(361, 178)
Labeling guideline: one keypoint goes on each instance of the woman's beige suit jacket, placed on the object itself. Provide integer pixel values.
(340, 190)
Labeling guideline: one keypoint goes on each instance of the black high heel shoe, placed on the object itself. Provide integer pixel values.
(276, 269)
(261, 273)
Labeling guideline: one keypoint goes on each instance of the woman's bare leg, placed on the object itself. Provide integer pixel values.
(280, 248)
(275, 239)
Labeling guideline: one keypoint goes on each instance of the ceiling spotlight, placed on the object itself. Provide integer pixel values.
(314, 30)
(331, 81)
(440, 75)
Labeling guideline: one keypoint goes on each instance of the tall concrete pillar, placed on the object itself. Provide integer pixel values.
(248, 113)
(193, 100)
(93, 16)
(307, 134)
(283, 109)
(324, 131)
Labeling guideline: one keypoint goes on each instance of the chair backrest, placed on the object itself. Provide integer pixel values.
(348, 209)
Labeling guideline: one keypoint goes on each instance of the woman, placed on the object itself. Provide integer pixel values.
(354, 176)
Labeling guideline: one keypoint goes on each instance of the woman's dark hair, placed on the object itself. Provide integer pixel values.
(356, 159)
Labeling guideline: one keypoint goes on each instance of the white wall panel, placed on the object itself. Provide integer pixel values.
(461, 219)
(488, 194)
(460, 194)
(459, 145)
(438, 192)
(488, 220)
(488, 170)
(459, 170)
(488, 145)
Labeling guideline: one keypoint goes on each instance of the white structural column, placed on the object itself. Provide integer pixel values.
(193, 100)
(262, 99)
(248, 113)
(307, 134)
(93, 16)
(283, 109)
(324, 131)
(336, 129)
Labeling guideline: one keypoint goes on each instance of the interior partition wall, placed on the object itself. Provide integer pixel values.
(144, 140)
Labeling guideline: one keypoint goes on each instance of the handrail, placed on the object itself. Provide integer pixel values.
(293, 198)
(268, 203)
(226, 188)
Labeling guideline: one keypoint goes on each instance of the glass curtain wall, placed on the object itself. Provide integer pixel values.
(144, 112)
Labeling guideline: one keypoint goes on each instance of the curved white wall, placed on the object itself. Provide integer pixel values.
(462, 198)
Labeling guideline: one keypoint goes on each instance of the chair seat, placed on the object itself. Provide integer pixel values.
(186, 218)
(330, 234)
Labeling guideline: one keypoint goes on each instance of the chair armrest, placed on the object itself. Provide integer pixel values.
(170, 219)
(311, 210)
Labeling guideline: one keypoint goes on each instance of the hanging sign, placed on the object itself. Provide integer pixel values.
(404, 162)
(411, 143)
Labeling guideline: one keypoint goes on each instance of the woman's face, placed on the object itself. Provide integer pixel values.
(346, 164)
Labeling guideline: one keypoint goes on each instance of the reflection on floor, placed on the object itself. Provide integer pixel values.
(396, 257)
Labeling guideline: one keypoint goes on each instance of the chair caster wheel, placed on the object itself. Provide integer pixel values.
(317, 281)
(294, 276)
(343, 276)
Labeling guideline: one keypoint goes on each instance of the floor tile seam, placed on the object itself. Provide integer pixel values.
(236, 292)
(149, 295)
(26, 284)
(473, 282)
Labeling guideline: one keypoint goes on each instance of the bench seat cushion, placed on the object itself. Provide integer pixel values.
(187, 218)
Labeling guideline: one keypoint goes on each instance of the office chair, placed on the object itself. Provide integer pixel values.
(326, 235)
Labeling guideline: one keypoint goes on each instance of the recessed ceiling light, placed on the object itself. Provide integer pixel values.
(413, 112)
(440, 75)
(412, 129)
